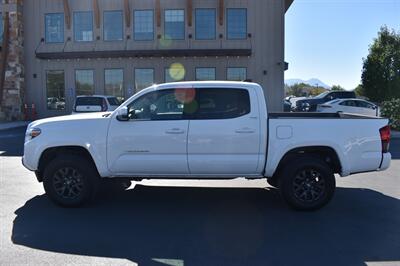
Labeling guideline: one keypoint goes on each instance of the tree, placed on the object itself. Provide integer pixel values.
(359, 90)
(337, 88)
(381, 70)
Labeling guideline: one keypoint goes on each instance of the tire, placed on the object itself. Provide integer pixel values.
(308, 184)
(273, 182)
(70, 180)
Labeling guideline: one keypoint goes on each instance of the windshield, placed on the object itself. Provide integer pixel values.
(113, 101)
(322, 95)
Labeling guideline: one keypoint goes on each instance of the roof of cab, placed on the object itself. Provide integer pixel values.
(193, 84)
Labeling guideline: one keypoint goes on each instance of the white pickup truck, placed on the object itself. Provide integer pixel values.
(204, 130)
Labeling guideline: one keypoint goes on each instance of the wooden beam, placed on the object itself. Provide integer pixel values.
(221, 12)
(127, 10)
(158, 13)
(190, 12)
(96, 11)
(67, 14)
(4, 53)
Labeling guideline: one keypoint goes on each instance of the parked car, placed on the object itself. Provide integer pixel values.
(95, 103)
(310, 104)
(354, 106)
(204, 130)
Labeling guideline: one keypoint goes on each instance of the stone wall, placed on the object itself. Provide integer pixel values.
(14, 81)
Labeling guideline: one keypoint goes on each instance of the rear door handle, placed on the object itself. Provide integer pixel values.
(175, 131)
(245, 130)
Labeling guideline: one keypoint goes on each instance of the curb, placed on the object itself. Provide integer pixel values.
(12, 125)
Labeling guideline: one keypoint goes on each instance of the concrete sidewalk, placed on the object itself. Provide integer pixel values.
(11, 125)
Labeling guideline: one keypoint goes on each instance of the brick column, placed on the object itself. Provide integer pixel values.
(13, 73)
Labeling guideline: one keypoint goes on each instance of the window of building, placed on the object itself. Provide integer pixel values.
(174, 24)
(113, 26)
(1, 27)
(55, 90)
(222, 103)
(54, 28)
(144, 77)
(205, 24)
(83, 26)
(205, 73)
(84, 82)
(144, 25)
(236, 73)
(159, 105)
(114, 83)
(176, 72)
(236, 23)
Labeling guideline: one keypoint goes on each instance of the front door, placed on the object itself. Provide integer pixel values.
(153, 141)
(224, 133)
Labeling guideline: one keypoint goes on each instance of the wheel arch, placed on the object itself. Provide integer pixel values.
(326, 153)
(50, 154)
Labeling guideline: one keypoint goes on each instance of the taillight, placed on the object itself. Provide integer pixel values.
(385, 138)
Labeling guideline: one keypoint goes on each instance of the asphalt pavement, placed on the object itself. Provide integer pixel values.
(188, 223)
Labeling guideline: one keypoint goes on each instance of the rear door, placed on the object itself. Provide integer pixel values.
(224, 132)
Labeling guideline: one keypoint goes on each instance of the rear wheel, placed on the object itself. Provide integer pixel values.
(70, 180)
(308, 184)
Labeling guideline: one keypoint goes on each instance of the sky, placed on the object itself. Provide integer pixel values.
(328, 39)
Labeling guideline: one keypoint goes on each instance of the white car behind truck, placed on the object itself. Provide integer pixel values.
(204, 130)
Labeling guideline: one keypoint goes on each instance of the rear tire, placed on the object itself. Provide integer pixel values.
(70, 180)
(307, 184)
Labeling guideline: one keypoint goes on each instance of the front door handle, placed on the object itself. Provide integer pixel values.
(245, 130)
(175, 131)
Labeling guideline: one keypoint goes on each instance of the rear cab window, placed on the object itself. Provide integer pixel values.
(221, 103)
(91, 101)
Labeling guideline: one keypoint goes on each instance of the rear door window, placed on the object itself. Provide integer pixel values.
(221, 103)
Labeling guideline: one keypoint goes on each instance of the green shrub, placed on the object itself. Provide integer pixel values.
(391, 109)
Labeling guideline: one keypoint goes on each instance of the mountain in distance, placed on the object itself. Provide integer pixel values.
(311, 82)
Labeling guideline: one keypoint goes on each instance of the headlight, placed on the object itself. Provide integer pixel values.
(32, 133)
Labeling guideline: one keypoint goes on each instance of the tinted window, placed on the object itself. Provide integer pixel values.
(174, 24)
(176, 72)
(54, 28)
(237, 23)
(144, 25)
(113, 26)
(363, 104)
(91, 101)
(236, 73)
(160, 105)
(205, 24)
(83, 26)
(144, 77)
(205, 73)
(222, 103)
(114, 82)
(349, 103)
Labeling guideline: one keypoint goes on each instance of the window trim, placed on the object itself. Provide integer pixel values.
(227, 69)
(195, 72)
(134, 75)
(227, 24)
(215, 24)
(122, 26)
(184, 24)
(134, 25)
(123, 81)
(94, 80)
(65, 90)
(63, 27)
(74, 28)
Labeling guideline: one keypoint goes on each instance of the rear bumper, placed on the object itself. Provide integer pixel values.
(386, 159)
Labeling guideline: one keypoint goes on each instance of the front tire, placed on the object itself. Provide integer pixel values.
(308, 184)
(70, 180)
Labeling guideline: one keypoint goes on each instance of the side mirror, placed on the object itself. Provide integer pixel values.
(123, 114)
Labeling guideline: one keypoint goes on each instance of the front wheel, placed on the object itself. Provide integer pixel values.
(308, 184)
(70, 180)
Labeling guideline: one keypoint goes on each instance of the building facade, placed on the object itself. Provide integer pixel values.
(118, 47)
